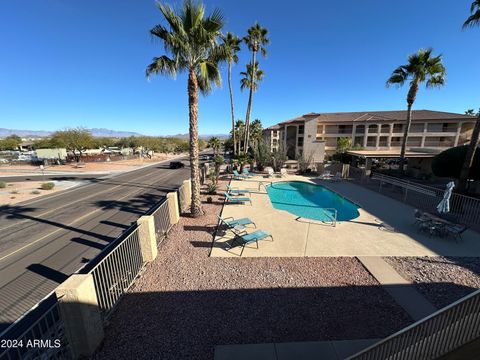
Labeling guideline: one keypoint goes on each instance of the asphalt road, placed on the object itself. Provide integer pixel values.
(43, 241)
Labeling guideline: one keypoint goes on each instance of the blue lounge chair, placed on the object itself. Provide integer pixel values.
(231, 223)
(236, 199)
(243, 239)
(237, 176)
(232, 191)
(247, 173)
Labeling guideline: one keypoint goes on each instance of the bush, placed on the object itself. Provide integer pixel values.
(35, 192)
(3, 185)
(211, 188)
(47, 186)
(449, 163)
(262, 154)
(14, 192)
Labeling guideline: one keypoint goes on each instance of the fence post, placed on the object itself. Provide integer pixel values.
(79, 310)
(174, 211)
(147, 237)
(187, 186)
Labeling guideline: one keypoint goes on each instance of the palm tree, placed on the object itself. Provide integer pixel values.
(246, 82)
(256, 41)
(232, 47)
(256, 130)
(191, 42)
(473, 20)
(422, 67)
(239, 132)
(215, 144)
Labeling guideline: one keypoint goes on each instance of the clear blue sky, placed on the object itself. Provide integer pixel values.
(81, 63)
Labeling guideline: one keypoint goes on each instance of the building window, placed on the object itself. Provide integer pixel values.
(345, 129)
(397, 128)
(274, 133)
(383, 141)
(275, 142)
(396, 141)
(371, 141)
(358, 141)
(360, 129)
(319, 129)
(300, 141)
(301, 129)
(373, 129)
(331, 142)
(414, 141)
(417, 128)
(385, 129)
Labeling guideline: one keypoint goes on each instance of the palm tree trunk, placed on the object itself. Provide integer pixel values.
(196, 203)
(467, 164)
(231, 105)
(412, 94)
(249, 107)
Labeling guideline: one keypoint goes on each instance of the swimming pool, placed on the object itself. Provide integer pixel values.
(310, 201)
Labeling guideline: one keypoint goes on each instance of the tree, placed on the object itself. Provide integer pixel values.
(468, 160)
(239, 133)
(256, 41)
(232, 47)
(76, 140)
(474, 18)
(215, 144)
(343, 144)
(449, 163)
(256, 131)
(11, 142)
(191, 44)
(279, 157)
(252, 72)
(421, 67)
(262, 154)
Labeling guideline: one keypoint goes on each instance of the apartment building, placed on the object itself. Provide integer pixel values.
(375, 130)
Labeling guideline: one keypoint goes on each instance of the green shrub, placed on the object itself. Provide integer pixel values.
(3, 185)
(14, 192)
(449, 163)
(35, 192)
(212, 188)
(47, 186)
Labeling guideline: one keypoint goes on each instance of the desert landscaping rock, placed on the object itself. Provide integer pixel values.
(442, 280)
(187, 302)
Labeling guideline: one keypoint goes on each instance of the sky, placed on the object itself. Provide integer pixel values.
(70, 63)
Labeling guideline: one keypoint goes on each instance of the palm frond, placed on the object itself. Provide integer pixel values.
(162, 65)
(474, 18)
(208, 74)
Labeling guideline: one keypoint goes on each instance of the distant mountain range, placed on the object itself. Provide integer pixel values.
(97, 132)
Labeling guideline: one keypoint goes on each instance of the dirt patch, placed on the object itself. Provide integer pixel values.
(442, 280)
(186, 302)
(17, 192)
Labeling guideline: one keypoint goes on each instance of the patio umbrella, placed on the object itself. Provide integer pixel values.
(444, 206)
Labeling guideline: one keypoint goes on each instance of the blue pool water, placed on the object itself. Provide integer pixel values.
(310, 201)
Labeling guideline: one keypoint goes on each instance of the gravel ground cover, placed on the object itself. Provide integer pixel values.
(442, 280)
(186, 302)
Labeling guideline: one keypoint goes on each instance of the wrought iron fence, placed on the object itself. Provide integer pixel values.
(162, 215)
(115, 272)
(437, 335)
(39, 334)
(463, 209)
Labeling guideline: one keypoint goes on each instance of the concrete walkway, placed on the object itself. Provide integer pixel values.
(384, 227)
(324, 350)
(402, 291)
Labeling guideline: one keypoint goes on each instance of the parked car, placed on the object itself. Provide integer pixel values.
(176, 165)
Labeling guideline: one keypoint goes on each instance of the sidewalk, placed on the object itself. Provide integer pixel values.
(324, 350)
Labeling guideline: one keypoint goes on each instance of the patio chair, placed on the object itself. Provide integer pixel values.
(455, 231)
(231, 223)
(243, 238)
(420, 217)
(270, 172)
(326, 175)
(236, 199)
(238, 176)
(247, 173)
(232, 191)
(283, 172)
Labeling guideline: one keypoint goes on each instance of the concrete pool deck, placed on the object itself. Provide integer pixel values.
(384, 227)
